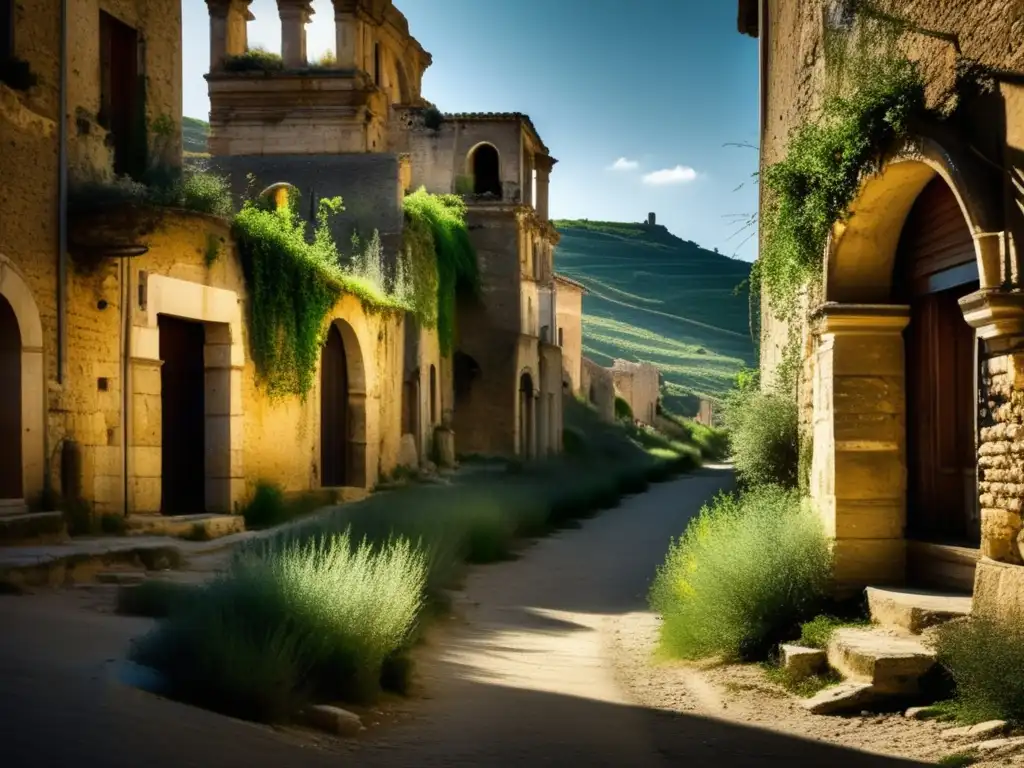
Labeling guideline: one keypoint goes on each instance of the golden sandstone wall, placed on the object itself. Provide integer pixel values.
(852, 360)
(248, 435)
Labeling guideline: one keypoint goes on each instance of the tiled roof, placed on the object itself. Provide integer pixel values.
(569, 281)
(498, 117)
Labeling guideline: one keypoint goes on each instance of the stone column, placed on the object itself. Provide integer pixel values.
(527, 183)
(544, 165)
(295, 15)
(228, 30)
(348, 30)
(858, 470)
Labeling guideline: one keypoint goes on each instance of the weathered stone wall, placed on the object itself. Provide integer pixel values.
(570, 333)
(1001, 458)
(29, 166)
(638, 385)
(367, 183)
(856, 414)
(598, 387)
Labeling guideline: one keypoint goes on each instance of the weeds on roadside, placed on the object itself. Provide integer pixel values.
(268, 505)
(958, 759)
(764, 436)
(294, 622)
(804, 687)
(742, 577)
(984, 655)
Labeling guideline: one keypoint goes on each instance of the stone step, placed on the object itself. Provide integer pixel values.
(13, 507)
(33, 529)
(914, 610)
(893, 664)
(202, 527)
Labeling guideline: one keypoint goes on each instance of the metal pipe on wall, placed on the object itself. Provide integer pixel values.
(62, 204)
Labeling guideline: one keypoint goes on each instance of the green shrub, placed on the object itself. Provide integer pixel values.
(256, 59)
(623, 410)
(743, 576)
(984, 657)
(269, 505)
(764, 437)
(288, 623)
(204, 192)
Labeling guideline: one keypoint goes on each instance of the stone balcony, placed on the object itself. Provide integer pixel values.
(299, 111)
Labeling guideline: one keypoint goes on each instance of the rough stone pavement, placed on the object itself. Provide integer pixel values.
(523, 680)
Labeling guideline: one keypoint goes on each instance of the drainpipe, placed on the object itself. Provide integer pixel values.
(62, 192)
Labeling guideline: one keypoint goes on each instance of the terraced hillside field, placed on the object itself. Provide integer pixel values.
(656, 298)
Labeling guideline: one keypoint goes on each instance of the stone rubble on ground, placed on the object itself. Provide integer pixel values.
(921, 713)
(1001, 747)
(334, 720)
(988, 728)
(840, 698)
(802, 662)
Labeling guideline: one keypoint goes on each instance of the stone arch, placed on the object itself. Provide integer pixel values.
(29, 415)
(483, 165)
(861, 252)
(859, 469)
(279, 194)
(352, 440)
(404, 92)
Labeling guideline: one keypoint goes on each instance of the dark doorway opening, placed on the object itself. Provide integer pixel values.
(938, 266)
(411, 404)
(121, 109)
(334, 426)
(464, 371)
(486, 173)
(183, 416)
(12, 466)
(526, 416)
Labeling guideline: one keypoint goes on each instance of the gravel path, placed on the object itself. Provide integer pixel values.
(544, 666)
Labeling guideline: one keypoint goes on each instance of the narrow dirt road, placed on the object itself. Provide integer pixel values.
(523, 677)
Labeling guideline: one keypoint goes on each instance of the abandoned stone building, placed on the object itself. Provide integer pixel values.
(126, 348)
(507, 376)
(639, 384)
(910, 386)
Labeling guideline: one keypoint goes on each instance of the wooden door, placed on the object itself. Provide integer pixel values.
(334, 412)
(11, 466)
(183, 416)
(120, 90)
(938, 268)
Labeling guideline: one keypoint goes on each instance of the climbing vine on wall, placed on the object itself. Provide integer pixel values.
(439, 248)
(293, 284)
(812, 187)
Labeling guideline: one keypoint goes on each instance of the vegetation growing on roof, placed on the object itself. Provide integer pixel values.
(442, 260)
(256, 59)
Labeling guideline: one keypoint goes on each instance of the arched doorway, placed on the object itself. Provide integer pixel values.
(343, 454)
(936, 265)
(11, 468)
(334, 417)
(527, 443)
(485, 167)
(433, 395)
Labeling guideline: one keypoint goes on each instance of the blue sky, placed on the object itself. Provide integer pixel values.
(657, 85)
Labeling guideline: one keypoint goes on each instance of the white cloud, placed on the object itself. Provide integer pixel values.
(622, 164)
(681, 174)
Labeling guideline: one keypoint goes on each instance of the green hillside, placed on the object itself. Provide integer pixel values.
(193, 135)
(656, 298)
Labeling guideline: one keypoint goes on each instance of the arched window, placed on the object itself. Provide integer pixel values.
(486, 171)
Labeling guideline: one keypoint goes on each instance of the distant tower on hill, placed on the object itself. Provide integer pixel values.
(651, 220)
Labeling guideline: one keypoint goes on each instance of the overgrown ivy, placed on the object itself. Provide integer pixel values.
(293, 284)
(442, 260)
(875, 96)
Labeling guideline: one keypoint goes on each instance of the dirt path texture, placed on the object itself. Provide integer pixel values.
(545, 662)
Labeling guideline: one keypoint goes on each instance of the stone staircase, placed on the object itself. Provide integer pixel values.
(889, 659)
(18, 526)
